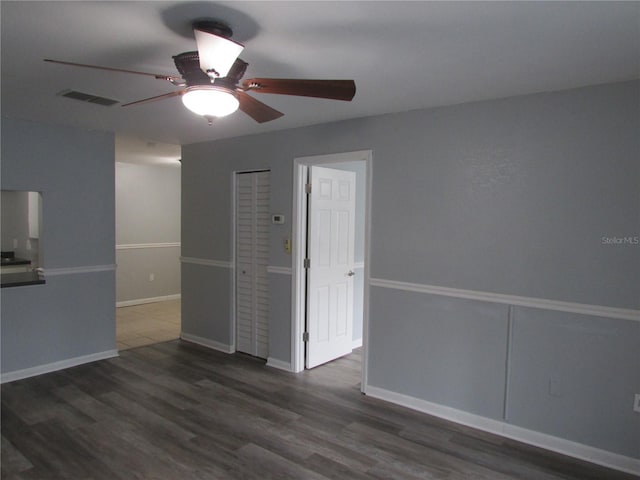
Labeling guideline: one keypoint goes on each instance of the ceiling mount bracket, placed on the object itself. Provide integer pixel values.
(213, 26)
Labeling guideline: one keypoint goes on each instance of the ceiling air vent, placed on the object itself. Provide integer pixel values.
(87, 97)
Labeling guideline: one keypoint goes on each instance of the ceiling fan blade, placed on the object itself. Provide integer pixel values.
(333, 89)
(111, 69)
(257, 110)
(157, 97)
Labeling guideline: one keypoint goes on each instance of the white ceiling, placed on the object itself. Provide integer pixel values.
(402, 56)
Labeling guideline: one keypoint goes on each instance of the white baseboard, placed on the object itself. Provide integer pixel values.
(279, 364)
(55, 366)
(206, 342)
(142, 301)
(356, 343)
(531, 437)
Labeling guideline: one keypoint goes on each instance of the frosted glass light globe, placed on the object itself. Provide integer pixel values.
(210, 101)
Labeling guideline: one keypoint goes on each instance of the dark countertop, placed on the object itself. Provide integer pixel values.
(14, 261)
(21, 279)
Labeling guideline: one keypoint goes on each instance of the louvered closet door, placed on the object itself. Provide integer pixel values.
(252, 254)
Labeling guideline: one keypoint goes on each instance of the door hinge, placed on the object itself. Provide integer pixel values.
(307, 188)
(307, 263)
(305, 337)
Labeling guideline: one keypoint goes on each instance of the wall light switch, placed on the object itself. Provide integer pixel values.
(636, 403)
(277, 219)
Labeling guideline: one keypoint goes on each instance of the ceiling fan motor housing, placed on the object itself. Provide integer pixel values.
(188, 64)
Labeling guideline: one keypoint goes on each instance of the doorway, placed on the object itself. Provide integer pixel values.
(361, 161)
(147, 249)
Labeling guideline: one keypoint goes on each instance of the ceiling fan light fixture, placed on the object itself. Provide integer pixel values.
(210, 101)
(217, 53)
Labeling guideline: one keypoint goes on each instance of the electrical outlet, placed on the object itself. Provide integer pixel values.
(636, 403)
(152, 277)
(554, 388)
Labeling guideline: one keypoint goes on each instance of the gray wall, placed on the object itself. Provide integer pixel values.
(510, 196)
(444, 350)
(73, 314)
(147, 216)
(569, 377)
(147, 203)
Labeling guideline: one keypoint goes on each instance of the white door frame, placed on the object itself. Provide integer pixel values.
(299, 247)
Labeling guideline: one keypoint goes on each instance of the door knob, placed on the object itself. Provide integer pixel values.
(351, 273)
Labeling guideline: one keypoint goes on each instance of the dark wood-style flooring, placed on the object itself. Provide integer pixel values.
(176, 411)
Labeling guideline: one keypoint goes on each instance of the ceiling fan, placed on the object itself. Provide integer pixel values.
(210, 79)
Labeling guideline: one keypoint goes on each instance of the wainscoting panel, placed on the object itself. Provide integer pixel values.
(444, 350)
(537, 370)
(147, 271)
(206, 300)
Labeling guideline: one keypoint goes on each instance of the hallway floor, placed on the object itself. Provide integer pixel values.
(147, 324)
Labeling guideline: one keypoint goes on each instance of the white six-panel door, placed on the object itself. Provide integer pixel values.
(252, 256)
(331, 239)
